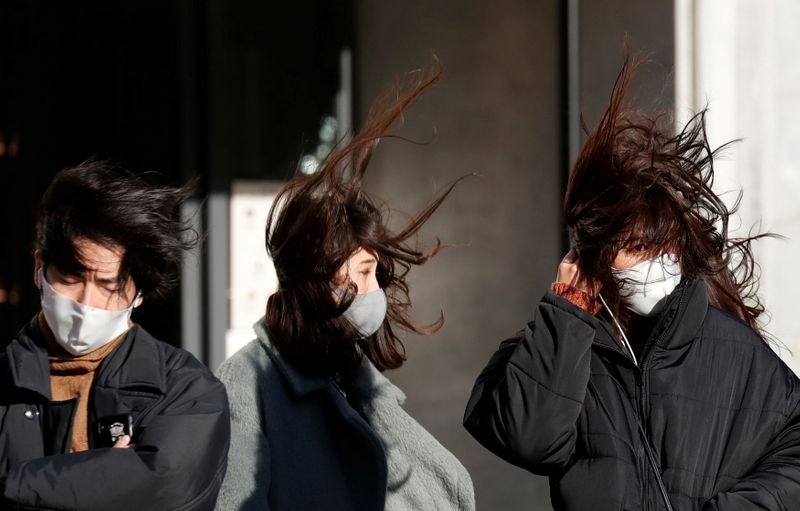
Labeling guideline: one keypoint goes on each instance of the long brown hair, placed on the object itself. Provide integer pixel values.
(317, 222)
(636, 181)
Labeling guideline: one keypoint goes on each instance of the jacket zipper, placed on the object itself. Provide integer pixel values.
(640, 451)
(643, 389)
(641, 392)
(639, 406)
(646, 454)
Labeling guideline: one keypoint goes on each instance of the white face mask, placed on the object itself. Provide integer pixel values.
(78, 328)
(646, 286)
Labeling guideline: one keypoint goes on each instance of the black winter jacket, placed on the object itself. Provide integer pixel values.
(718, 409)
(181, 430)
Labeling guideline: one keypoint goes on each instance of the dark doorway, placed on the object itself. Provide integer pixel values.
(79, 80)
(224, 90)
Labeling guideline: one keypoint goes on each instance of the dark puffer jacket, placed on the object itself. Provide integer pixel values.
(181, 431)
(719, 410)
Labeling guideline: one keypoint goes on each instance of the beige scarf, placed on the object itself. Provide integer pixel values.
(72, 377)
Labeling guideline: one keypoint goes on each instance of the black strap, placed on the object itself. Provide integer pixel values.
(655, 467)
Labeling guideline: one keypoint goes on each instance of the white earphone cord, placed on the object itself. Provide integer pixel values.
(619, 327)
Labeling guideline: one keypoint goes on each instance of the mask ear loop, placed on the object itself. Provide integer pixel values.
(619, 327)
(42, 281)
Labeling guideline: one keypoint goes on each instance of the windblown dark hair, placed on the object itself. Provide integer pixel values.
(101, 202)
(637, 182)
(317, 222)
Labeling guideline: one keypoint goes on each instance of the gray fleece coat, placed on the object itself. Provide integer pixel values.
(298, 444)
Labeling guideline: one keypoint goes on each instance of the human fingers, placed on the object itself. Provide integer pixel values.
(123, 442)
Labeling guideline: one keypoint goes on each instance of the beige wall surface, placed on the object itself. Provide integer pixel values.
(738, 61)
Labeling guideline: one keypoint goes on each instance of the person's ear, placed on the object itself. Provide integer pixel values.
(37, 265)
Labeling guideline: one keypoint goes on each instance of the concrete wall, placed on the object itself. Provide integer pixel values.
(499, 111)
(738, 62)
(648, 28)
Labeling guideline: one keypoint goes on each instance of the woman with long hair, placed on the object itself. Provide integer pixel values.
(645, 380)
(315, 424)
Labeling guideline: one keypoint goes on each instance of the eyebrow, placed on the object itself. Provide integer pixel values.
(367, 261)
(109, 280)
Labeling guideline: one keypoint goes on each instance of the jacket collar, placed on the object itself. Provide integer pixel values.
(301, 384)
(135, 362)
(373, 388)
(678, 324)
(27, 360)
(680, 321)
(369, 383)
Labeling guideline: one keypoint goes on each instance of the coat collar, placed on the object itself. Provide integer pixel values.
(27, 360)
(678, 324)
(301, 384)
(373, 387)
(134, 363)
(369, 383)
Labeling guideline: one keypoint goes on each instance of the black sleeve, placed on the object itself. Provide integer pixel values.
(526, 402)
(178, 463)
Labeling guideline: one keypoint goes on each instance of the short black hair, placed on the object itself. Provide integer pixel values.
(102, 202)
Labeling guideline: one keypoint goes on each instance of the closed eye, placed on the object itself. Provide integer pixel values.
(68, 280)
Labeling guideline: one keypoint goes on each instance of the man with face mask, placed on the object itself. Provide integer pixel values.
(95, 413)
